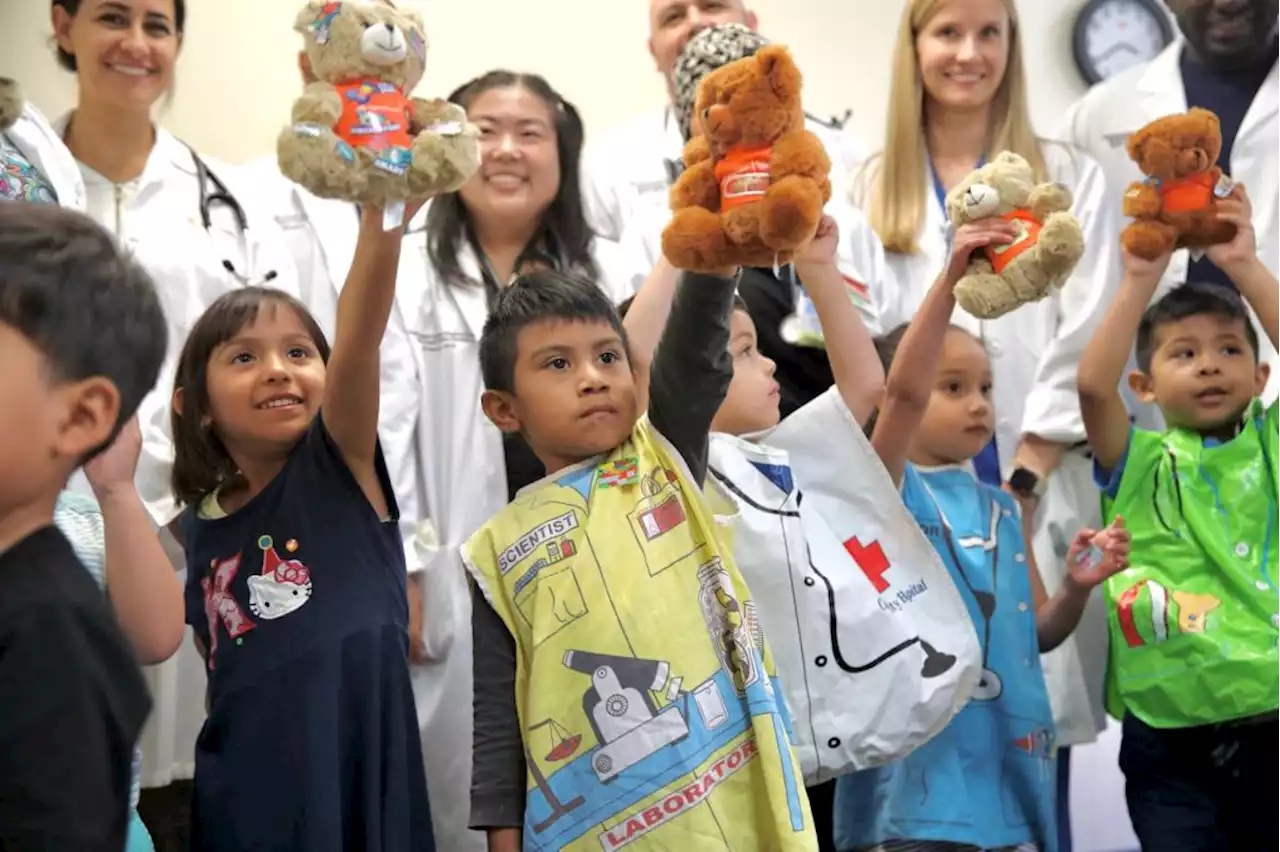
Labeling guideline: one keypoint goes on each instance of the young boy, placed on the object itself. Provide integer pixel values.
(82, 337)
(618, 659)
(818, 527)
(1193, 660)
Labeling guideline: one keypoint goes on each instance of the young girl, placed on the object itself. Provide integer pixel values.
(296, 589)
(113, 535)
(987, 780)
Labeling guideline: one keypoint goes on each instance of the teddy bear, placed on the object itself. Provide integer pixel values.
(356, 134)
(10, 103)
(1176, 206)
(755, 179)
(1048, 245)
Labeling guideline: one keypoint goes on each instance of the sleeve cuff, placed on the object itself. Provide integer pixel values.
(497, 809)
(1108, 481)
(1054, 415)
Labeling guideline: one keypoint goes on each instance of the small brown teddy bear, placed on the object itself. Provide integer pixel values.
(755, 180)
(1048, 246)
(357, 135)
(10, 103)
(1176, 206)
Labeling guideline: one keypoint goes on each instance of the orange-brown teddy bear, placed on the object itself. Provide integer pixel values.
(1176, 206)
(755, 180)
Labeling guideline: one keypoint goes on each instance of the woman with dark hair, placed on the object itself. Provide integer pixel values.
(522, 210)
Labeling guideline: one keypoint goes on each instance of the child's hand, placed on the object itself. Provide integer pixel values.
(1237, 210)
(821, 250)
(973, 236)
(1095, 556)
(115, 467)
(1144, 273)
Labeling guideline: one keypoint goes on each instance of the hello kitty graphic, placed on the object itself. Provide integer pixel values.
(283, 586)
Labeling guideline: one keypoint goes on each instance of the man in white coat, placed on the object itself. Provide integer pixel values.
(629, 167)
(1224, 61)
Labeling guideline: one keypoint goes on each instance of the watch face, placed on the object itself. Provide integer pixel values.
(1114, 35)
(1023, 481)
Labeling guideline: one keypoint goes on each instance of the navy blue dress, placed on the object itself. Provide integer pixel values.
(311, 744)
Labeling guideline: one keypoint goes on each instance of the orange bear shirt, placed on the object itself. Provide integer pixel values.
(744, 176)
(375, 115)
(1187, 194)
(1028, 228)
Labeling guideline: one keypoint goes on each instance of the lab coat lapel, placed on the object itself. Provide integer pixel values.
(336, 229)
(472, 301)
(1160, 89)
(1265, 105)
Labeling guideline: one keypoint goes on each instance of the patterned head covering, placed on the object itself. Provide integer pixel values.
(705, 52)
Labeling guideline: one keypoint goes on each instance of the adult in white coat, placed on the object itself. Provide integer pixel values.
(522, 209)
(630, 167)
(964, 57)
(154, 193)
(1225, 61)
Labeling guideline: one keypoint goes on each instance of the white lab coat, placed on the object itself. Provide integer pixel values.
(1034, 353)
(1101, 122)
(859, 254)
(461, 484)
(157, 218)
(624, 173)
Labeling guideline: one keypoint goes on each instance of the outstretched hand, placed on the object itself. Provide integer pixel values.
(1243, 248)
(821, 250)
(115, 466)
(973, 236)
(1095, 556)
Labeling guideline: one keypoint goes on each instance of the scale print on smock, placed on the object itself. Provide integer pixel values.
(19, 178)
(282, 587)
(649, 747)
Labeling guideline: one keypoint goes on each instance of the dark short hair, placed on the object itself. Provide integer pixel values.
(538, 297)
(563, 229)
(1193, 299)
(90, 309)
(887, 349)
(68, 61)
(201, 462)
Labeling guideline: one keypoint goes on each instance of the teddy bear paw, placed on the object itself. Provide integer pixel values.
(315, 158)
(695, 240)
(789, 213)
(985, 296)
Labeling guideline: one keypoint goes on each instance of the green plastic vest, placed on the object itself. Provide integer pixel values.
(1193, 621)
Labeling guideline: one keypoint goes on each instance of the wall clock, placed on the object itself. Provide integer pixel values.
(1112, 35)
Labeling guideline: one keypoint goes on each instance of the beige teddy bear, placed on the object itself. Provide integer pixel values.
(357, 134)
(10, 103)
(1044, 254)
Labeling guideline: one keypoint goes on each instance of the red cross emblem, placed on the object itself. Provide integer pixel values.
(871, 560)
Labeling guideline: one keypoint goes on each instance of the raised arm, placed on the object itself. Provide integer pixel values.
(645, 320)
(1106, 420)
(352, 384)
(910, 380)
(1239, 259)
(852, 353)
(692, 366)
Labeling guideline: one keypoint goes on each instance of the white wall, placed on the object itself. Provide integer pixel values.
(239, 60)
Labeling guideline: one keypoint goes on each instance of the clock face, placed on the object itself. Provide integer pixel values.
(1113, 35)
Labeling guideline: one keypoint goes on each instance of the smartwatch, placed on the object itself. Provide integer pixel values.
(1026, 483)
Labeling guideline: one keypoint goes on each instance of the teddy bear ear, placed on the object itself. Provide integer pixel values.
(780, 70)
(309, 14)
(1136, 142)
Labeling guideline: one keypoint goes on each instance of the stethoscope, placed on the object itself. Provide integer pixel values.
(214, 192)
(989, 686)
(544, 252)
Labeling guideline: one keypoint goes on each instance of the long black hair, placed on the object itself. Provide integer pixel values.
(563, 228)
(68, 62)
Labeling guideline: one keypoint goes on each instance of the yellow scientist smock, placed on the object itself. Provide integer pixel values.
(650, 716)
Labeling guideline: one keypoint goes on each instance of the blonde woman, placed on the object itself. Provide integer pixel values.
(958, 96)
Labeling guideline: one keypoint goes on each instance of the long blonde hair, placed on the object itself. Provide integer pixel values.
(899, 188)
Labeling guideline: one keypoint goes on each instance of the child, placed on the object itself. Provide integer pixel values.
(82, 337)
(834, 639)
(114, 538)
(296, 590)
(987, 780)
(617, 657)
(1193, 661)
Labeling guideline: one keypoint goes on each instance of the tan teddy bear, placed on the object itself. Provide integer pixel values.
(10, 103)
(1044, 254)
(357, 135)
